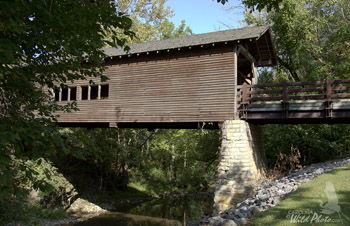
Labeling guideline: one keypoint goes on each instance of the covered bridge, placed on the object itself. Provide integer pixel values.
(190, 81)
(172, 83)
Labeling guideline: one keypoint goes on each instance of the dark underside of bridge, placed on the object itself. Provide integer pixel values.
(257, 118)
(261, 118)
(141, 125)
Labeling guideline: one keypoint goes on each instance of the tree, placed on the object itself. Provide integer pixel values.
(151, 20)
(168, 30)
(258, 4)
(311, 38)
(312, 43)
(45, 44)
(148, 17)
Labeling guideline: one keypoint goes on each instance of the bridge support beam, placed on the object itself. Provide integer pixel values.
(242, 163)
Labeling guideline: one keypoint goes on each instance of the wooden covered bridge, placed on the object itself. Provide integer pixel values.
(206, 79)
(173, 83)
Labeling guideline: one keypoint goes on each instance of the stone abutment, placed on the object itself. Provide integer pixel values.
(241, 165)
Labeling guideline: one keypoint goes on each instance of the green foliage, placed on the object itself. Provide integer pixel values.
(311, 38)
(181, 158)
(148, 17)
(317, 143)
(162, 160)
(258, 4)
(168, 30)
(24, 214)
(44, 44)
(43, 176)
(150, 20)
(312, 43)
(37, 174)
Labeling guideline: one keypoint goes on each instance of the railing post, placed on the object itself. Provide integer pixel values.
(329, 105)
(285, 106)
(245, 101)
(329, 90)
(245, 94)
(284, 93)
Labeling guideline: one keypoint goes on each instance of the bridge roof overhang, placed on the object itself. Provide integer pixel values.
(258, 41)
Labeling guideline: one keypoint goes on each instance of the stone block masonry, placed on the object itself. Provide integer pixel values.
(241, 165)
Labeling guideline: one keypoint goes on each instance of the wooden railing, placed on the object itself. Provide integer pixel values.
(326, 90)
(256, 101)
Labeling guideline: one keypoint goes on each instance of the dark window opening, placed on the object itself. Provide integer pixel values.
(104, 91)
(73, 93)
(57, 94)
(84, 92)
(94, 92)
(64, 94)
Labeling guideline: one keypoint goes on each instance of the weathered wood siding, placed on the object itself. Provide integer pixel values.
(180, 86)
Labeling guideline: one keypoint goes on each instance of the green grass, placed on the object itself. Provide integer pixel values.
(307, 198)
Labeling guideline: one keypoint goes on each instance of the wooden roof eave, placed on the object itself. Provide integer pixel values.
(172, 49)
(272, 60)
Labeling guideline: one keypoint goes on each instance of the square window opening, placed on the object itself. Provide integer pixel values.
(73, 93)
(57, 94)
(104, 91)
(84, 92)
(64, 94)
(94, 93)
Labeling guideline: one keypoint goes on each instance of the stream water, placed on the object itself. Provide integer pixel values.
(166, 212)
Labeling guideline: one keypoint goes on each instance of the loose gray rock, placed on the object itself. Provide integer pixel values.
(276, 200)
(255, 210)
(83, 210)
(263, 197)
(241, 215)
(258, 202)
(280, 185)
(243, 209)
(193, 223)
(241, 221)
(229, 223)
(216, 221)
(319, 171)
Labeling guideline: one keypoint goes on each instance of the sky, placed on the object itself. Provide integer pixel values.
(204, 16)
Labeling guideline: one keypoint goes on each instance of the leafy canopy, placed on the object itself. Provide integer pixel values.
(43, 44)
(147, 17)
(312, 43)
(258, 4)
(311, 38)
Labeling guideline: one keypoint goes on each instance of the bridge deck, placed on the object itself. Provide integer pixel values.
(296, 103)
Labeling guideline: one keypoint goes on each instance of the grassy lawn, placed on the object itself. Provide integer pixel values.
(303, 207)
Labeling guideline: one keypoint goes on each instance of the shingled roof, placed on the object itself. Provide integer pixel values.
(193, 40)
